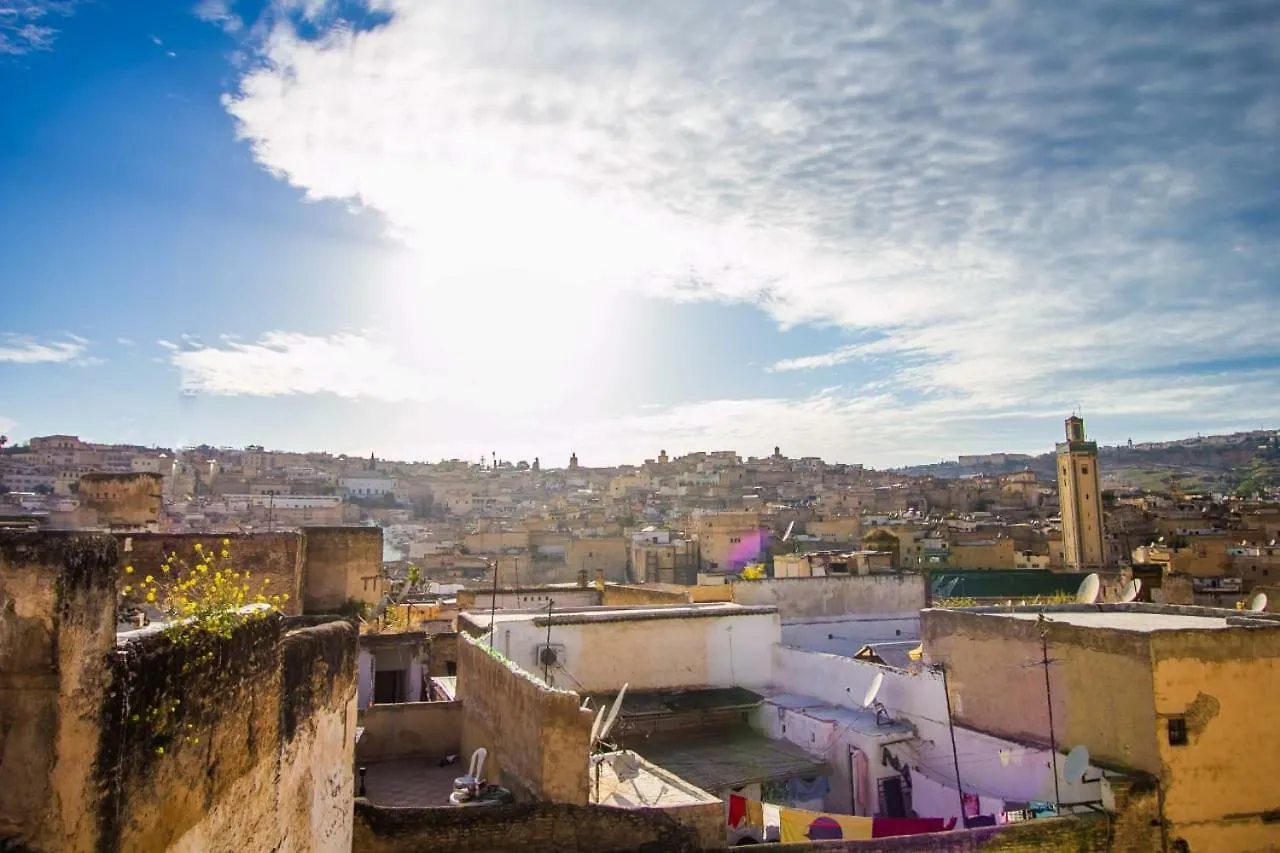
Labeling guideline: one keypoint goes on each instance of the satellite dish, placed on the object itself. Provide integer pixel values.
(597, 725)
(873, 690)
(1258, 603)
(790, 527)
(1131, 590)
(1089, 589)
(613, 714)
(1076, 764)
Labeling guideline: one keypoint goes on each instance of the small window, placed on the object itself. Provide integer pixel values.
(1177, 731)
(1084, 469)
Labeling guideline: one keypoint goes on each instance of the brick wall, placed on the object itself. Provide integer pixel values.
(537, 737)
(528, 828)
(410, 730)
(1090, 834)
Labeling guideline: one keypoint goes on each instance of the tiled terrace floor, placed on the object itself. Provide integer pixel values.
(411, 782)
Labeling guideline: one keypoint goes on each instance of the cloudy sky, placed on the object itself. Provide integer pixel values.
(882, 231)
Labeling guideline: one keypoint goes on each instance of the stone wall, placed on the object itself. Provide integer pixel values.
(537, 737)
(229, 744)
(57, 622)
(801, 599)
(525, 828)
(320, 568)
(122, 500)
(410, 730)
(277, 556)
(340, 564)
(142, 741)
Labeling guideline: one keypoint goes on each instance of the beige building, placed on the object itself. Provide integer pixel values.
(1080, 498)
(729, 540)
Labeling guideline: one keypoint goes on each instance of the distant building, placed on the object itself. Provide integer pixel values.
(1080, 498)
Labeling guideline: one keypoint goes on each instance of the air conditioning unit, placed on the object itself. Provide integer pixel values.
(548, 654)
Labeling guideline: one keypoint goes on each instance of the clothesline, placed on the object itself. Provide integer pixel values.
(799, 825)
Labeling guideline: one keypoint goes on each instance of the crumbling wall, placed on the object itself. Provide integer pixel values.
(537, 737)
(340, 564)
(524, 828)
(130, 500)
(57, 621)
(800, 599)
(274, 556)
(410, 730)
(229, 744)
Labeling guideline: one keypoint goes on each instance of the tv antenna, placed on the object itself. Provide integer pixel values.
(1258, 603)
(1077, 764)
(870, 702)
(600, 729)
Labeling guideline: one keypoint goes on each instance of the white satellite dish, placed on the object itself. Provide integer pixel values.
(1131, 590)
(1258, 603)
(790, 527)
(1076, 764)
(1089, 589)
(873, 690)
(597, 725)
(613, 714)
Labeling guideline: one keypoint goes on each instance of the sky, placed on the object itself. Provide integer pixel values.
(876, 232)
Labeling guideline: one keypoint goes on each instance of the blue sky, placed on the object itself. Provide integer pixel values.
(880, 232)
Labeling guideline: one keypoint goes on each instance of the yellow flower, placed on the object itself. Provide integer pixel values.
(151, 596)
(199, 547)
(266, 581)
(128, 570)
(148, 579)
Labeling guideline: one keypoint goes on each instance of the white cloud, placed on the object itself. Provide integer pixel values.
(27, 25)
(1011, 200)
(218, 12)
(19, 349)
(283, 363)
(125, 342)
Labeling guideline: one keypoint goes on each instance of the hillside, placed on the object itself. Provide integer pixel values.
(1240, 462)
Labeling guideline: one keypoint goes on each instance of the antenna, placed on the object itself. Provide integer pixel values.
(1131, 590)
(1258, 603)
(597, 725)
(1089, 589)
(790, 527)
(869, 700)
(1076, 764)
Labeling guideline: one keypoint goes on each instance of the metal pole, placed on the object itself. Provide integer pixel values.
(1048, 693)
(493, 607)
(955, 755)
(546, 657)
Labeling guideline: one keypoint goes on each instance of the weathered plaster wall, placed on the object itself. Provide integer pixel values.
(537, 737)
(621, 595)
(844, 635)
(411, 730)
(1224, 685)
(252, 748)
(801, 599)
(274, 556)
(57, 621)
(340, 564)
(1100, 682)
(526, 828)
(122, 500)
(721, 650)
(530, 598)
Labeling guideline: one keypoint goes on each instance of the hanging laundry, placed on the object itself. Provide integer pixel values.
(803, 790)
(797, 825)
(770, 815)
(888, 827)
(737, 809)
(755, 814)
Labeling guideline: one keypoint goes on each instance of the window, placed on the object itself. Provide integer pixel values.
(1177, 731)
(1084, 469)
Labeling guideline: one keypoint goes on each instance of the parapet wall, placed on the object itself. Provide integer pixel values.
(321, 568)
(524, 828)
(146, 742)
(57, 622)
(799, 599)
(1090, 834)
(537, 737)
(410, 730)
(229, 744)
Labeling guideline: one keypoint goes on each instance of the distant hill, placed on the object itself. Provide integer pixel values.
(1239, 462)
